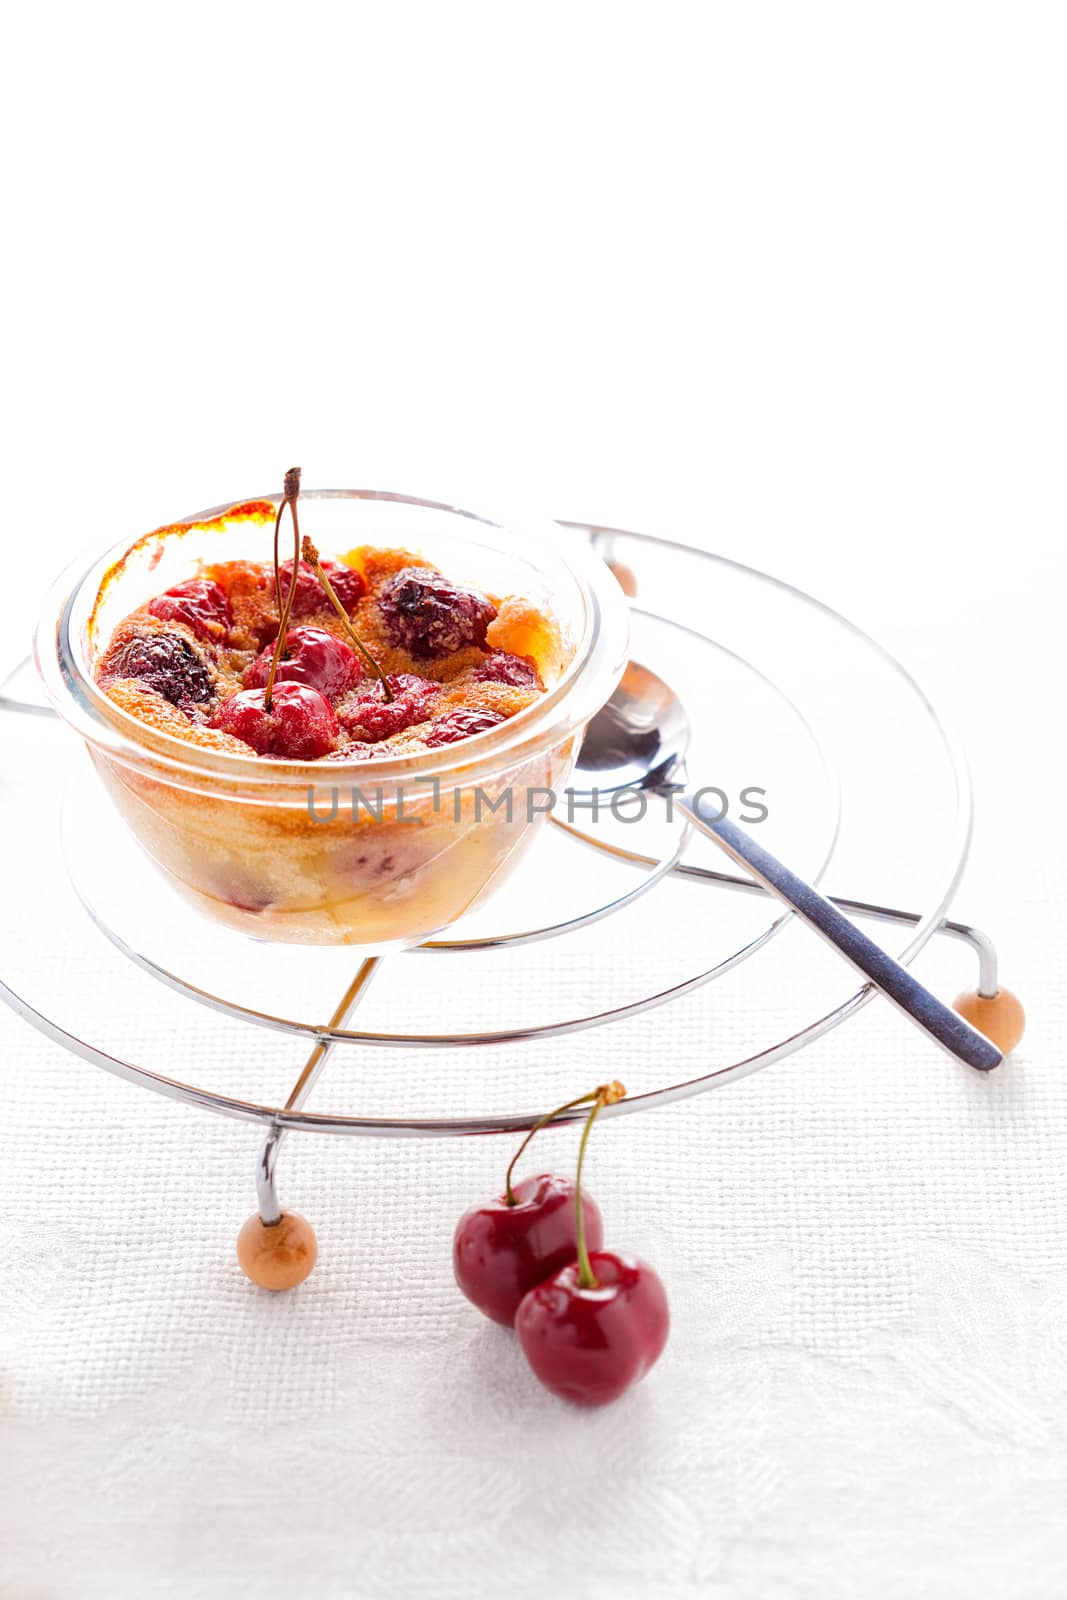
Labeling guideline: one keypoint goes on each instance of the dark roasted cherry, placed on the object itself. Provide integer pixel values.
(169, 664)
(500, 667)
(501, 1250)
(462, 723)
(371, 717)
(300, 725)
(348, 585)
(312, 656)
(589, 1344)
(200, 603)
(428, 615)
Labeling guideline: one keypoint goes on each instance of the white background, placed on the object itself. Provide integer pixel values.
(787, 281)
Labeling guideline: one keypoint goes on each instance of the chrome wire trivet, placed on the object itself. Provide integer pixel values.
(616, 546)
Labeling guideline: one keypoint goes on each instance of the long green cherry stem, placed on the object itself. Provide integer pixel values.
(606, 1095)
(290, 495)
(583, 1099)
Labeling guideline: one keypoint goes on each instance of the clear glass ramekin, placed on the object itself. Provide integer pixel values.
(381, 853)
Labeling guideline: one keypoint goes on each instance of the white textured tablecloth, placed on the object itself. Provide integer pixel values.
(865, 1393)
(784, 280)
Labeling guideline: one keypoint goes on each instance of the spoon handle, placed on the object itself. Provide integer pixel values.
(943, 1024)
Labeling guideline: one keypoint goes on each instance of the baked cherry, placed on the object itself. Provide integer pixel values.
(348, 585)
(502, 667)
(201, 604)
(370, 717)
(590, 1343)
(429, 615)
(311, 656)
(167, 663)
(311, 556)
(504, 1248)
(462, 723)
(300, 724)
(600, 1323)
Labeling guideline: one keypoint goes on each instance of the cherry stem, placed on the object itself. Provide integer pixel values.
(606, 1095)
(289, 497)
(282, 503)
(583, 1099)
(311, 556)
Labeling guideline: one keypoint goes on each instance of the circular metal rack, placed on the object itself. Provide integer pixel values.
(678, 589)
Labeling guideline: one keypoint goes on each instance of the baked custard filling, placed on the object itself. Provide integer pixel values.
(195, 661)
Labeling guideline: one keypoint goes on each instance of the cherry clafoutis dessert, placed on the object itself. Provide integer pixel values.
(319, 749)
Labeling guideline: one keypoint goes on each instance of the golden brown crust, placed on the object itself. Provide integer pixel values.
(522, 630)
(250, 511)
(151, 708)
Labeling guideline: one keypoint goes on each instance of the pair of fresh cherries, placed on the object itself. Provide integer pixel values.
(591, 1322)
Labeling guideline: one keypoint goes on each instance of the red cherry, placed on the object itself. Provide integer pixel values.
(501, 1251)
(300, 725)
(168, 664)
(429, 615)
(370, 717)
(347, 584)
(312, 656)
(200, 603)
(588, 1345)
(463, 723)
(502, 667)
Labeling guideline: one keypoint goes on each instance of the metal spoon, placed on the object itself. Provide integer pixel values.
(639, 741)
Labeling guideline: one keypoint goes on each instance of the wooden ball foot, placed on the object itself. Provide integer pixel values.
(624, 577)
(999, 1016)
(277, 1255)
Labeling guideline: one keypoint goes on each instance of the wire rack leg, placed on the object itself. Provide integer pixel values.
(993, 1010)
(984, 949)
(266, 1186)
(277, 1249)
